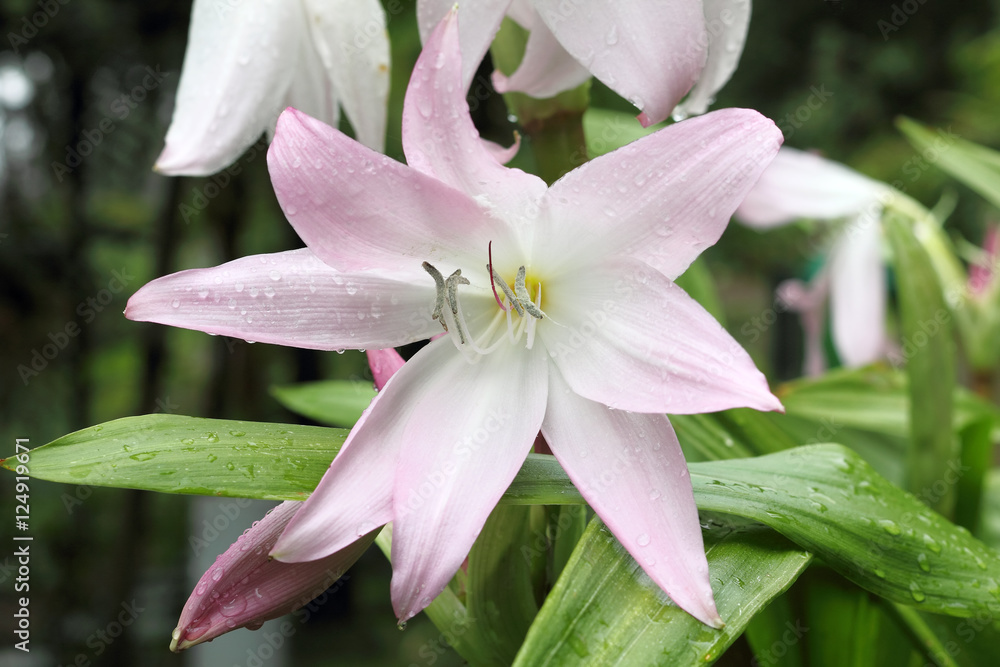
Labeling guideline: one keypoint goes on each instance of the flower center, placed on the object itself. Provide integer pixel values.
(524, 300)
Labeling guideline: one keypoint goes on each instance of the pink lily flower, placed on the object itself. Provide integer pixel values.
(245, 587)
(801, 185)
(560, 313)
(246, 63)
(651, 52)
(983, 274)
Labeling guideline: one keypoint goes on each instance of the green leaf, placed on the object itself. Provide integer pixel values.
(967, 642)
(500, 598)
(605, 611)
(972, 164)
(177, 454)
(826, 499)
(928, 349)
(333, 402)
(608, 130)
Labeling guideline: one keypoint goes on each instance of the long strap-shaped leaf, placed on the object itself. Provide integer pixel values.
(824, 498)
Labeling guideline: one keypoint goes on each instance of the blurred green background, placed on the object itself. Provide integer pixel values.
(74, 244)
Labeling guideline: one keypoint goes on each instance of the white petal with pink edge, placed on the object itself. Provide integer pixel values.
(630, 469)
(466, 434)
(292, 298)
(622, 334)
(858, 292)
(662, 199)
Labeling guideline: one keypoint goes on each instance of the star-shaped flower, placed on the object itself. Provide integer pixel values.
(560, 312)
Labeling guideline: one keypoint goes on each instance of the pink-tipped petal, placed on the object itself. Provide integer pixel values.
(630, 469)
(237, 69)
(479, 22)
(384, 364)
(502, 154)
(466, 435)
(440, 140)
(664, 198)
(357, 209)
(858, 292)
(546, 69)
(648, 51)
(633, 340)
(802, 185)
(292, 298)
(244, 588)
(727, 22)
(353, 47)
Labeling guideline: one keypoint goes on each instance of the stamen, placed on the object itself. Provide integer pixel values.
(454, 280)
(439, 284)
(522, 295)
(489, 267)
(513, 300)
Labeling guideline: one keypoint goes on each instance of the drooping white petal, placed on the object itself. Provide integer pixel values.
(478, 25)
(546, 70)
(311, 90)
(440, 140)
(292, 298)
(648, 51)
(234, 79)
(357, 209)
(466, 434)
(726, 23)
(662, 199)
(630, 469)
(802, 185)
(351, 40)
(622, 334)
(857, 292)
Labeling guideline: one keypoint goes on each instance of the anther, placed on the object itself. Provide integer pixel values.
(522, 295)
(439, 284)
(454, 280)
(513, 300)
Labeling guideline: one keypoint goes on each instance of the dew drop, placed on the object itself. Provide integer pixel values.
(642, 540)
(234, 607)
(923, 562)
(890, 526)
(175, 303)
(916, 593)
(217, 574)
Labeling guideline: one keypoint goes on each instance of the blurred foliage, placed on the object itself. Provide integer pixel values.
(75, 244)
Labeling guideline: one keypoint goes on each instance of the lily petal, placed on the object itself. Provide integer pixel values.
(547, 68)
(664, 198)
(802, 185)
(632, 340)
(221, 108)
(727, 22)
(466, 435)
(440, 140)
(384, 364)
(353, 45)
(357, 209)
(244, 588)
(857, 292)
(292, 298)
(648, 51)
(479, 23)
(630, 469)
